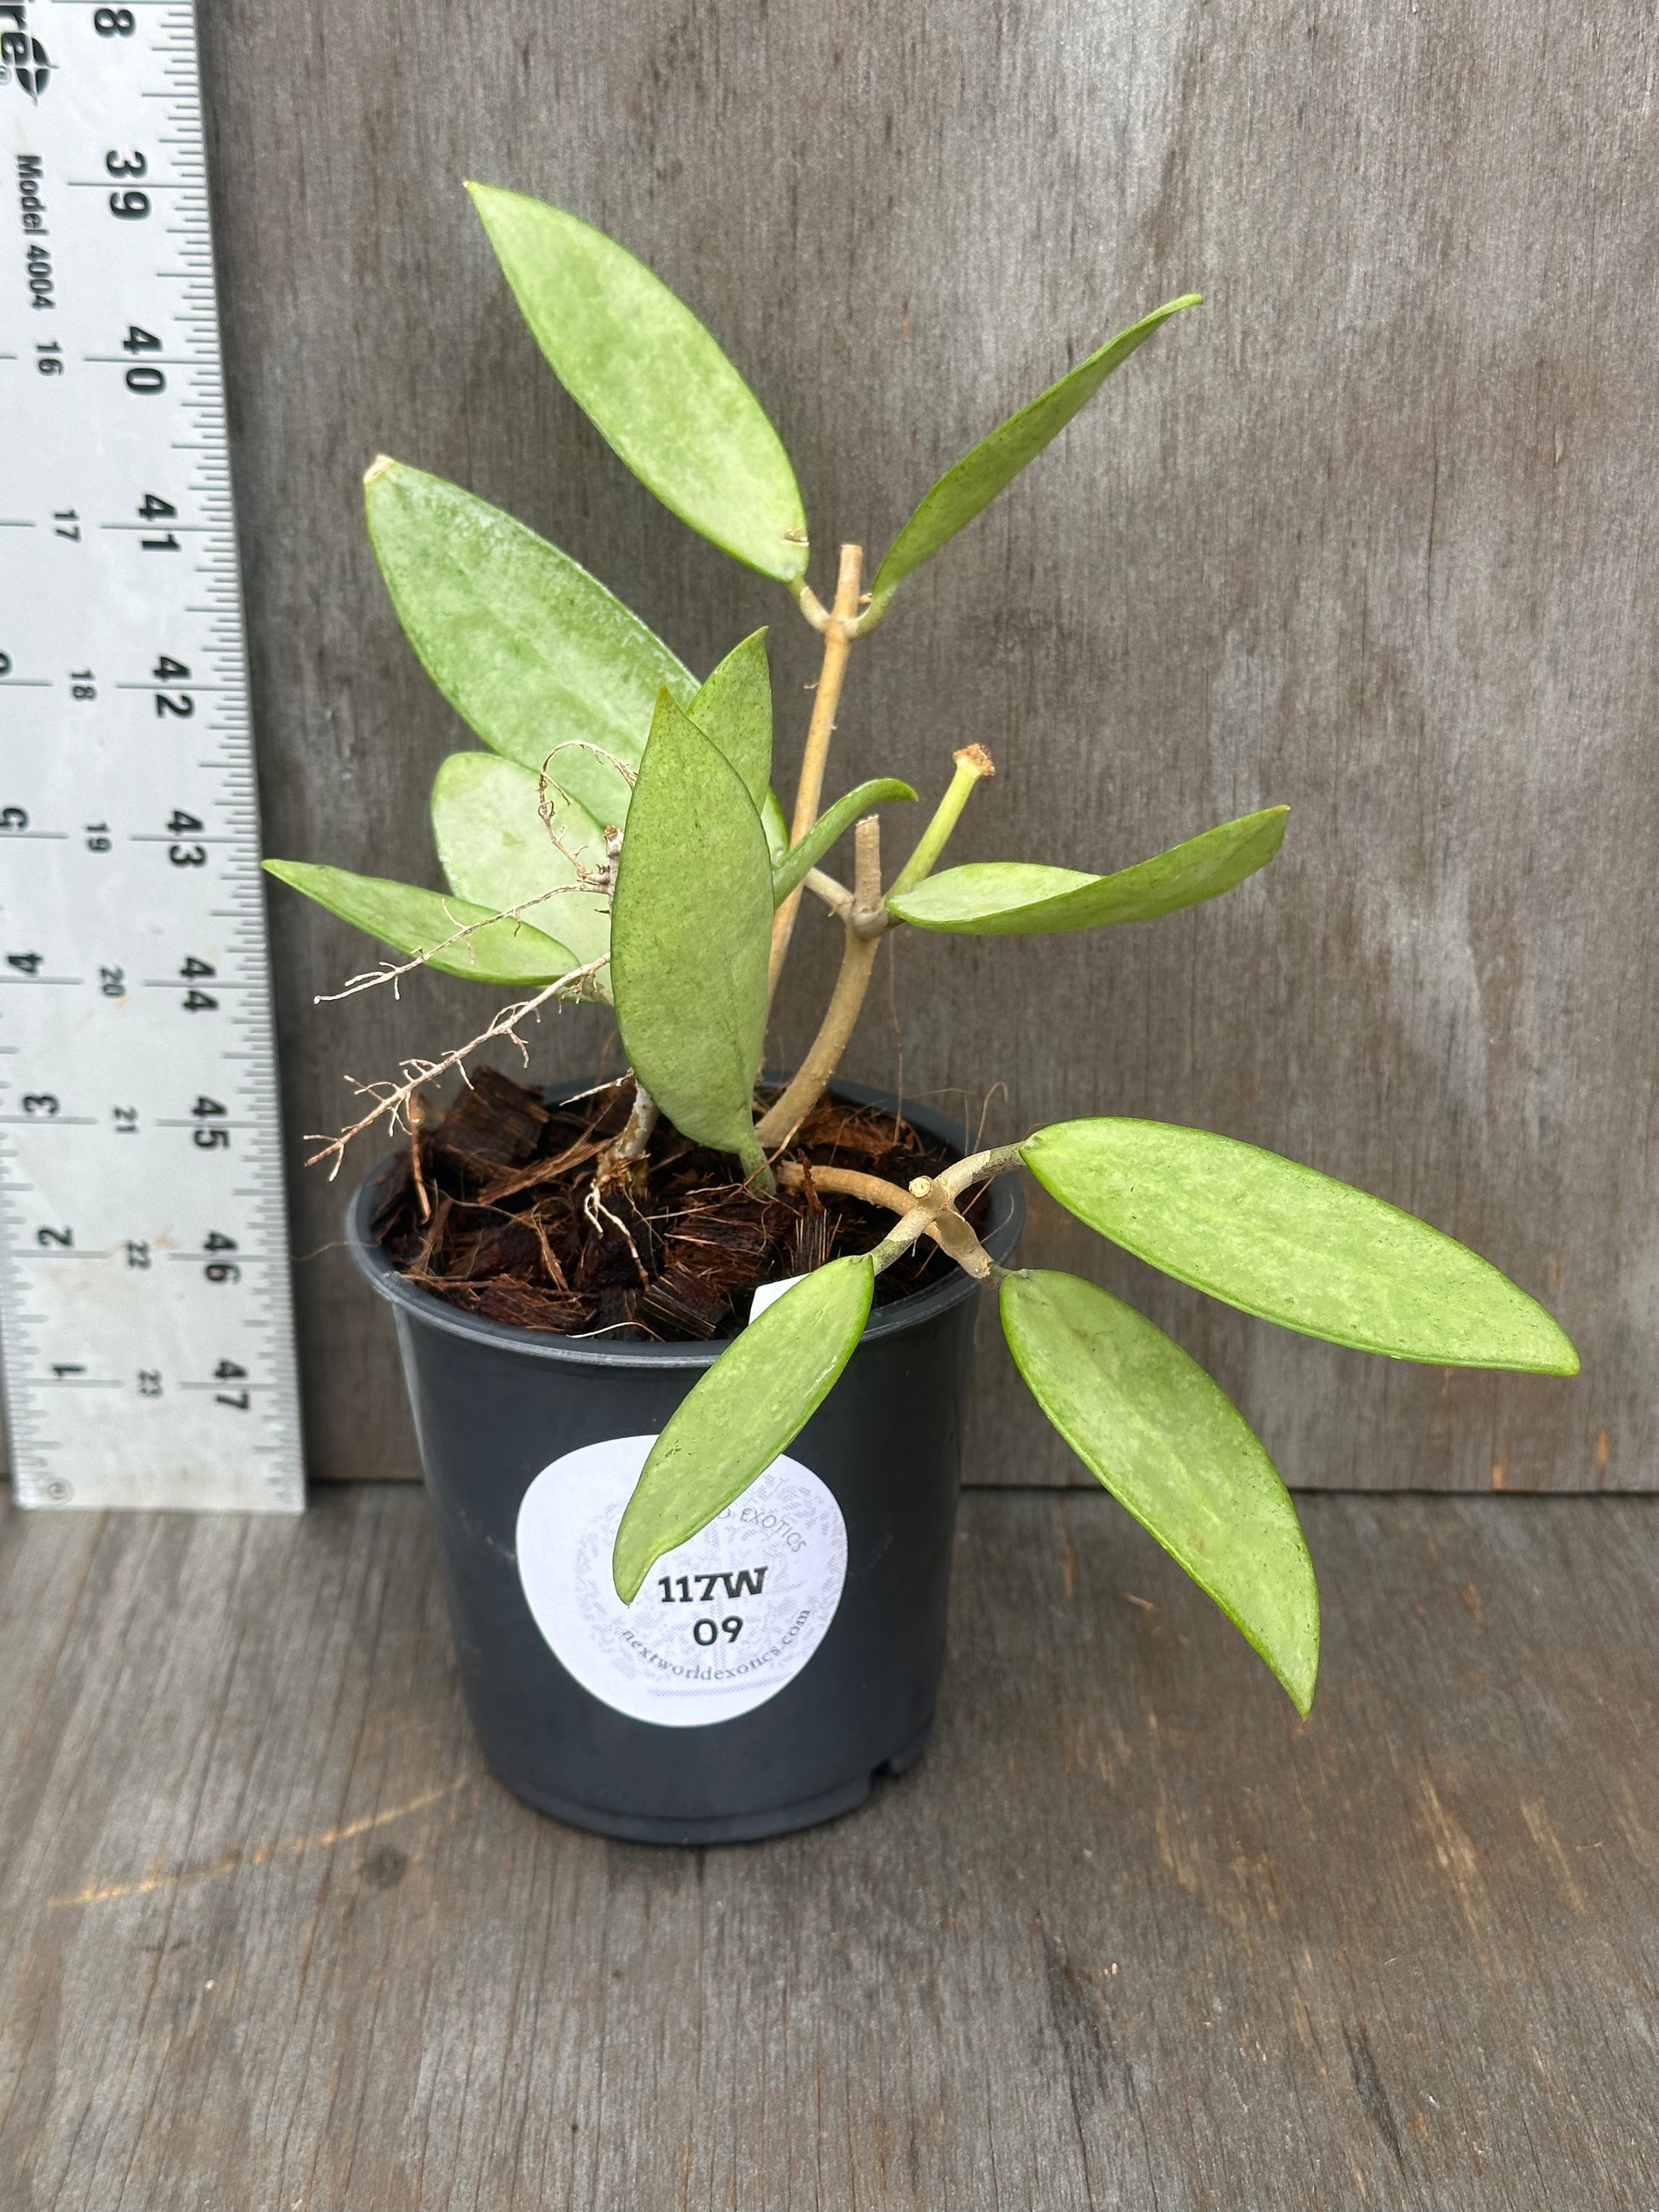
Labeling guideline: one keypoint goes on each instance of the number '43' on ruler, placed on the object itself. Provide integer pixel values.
(144, 1259)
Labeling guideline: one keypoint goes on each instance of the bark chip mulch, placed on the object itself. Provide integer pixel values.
(510, 1218)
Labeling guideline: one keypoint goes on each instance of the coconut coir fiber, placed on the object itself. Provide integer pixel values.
(507, 1219)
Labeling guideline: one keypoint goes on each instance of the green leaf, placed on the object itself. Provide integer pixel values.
(981, 473)
(750, 1404)
(1149, 1424)
(528, 648)
(1294, 1246)
(733, 710)
(833, 823)
(1007, 898)
(414, 921)
(496, 849)
(653, 382)
(690, 936)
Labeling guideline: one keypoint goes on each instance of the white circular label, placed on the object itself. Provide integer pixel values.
(720, 1624)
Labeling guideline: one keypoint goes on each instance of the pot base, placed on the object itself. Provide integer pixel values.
(726, 1828)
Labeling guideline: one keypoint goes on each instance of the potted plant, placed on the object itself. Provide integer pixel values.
(696, 1553)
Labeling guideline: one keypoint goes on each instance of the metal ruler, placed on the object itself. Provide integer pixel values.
(143, 1260)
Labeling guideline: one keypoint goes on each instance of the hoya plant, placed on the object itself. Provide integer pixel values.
(618, 840)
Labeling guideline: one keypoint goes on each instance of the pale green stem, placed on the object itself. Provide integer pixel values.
(875, 613)
(757, 1167)
(973, 765)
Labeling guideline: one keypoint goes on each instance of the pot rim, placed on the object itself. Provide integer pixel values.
(1007, 1218)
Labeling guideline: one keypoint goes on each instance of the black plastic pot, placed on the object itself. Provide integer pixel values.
(664, 1722)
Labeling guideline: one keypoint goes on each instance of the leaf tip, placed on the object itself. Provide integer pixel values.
(1546, 1348)
(487, 201)
(627, 1578)
(376, 469)
(1293, 1658)
(1563, 1352)
(632, 1554)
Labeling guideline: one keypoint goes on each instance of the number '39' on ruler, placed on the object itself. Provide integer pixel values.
(144, 1296)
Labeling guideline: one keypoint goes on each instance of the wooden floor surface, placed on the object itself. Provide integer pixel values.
(1129, 1936)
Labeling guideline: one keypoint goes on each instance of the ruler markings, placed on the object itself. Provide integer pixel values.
(104, 1193)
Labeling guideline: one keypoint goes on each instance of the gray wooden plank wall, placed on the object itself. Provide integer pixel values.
(1364, 535)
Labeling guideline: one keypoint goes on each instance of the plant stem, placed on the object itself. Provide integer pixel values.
(622, 1161)
(973, 763)
(642, 1121)
(945, 1225)
(976, 1168)
(834, 894)
(931, 1211)
(863, 926)
(866, 919)
(852, 1182)
(837, 629)
(757, 1167)
(936, 1200)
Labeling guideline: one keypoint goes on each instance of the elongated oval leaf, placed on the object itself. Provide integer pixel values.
(833, 823)
(529, 650)
(1148, 1422)
(416, 921)
(496, 850)
(974, 481)
(1292, 1245)
(1007, 898)
(757, 1396)
(690, 933)
(653, 382)
(733, 710)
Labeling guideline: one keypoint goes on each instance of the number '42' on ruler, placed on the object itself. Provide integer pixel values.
(144, 1259)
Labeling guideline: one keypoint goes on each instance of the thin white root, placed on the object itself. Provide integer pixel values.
(392, 1100)
(630, 776)
(550, 795)
(367, 980)
(595, 1208)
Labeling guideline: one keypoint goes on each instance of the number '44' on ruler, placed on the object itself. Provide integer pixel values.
(144, 1259)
